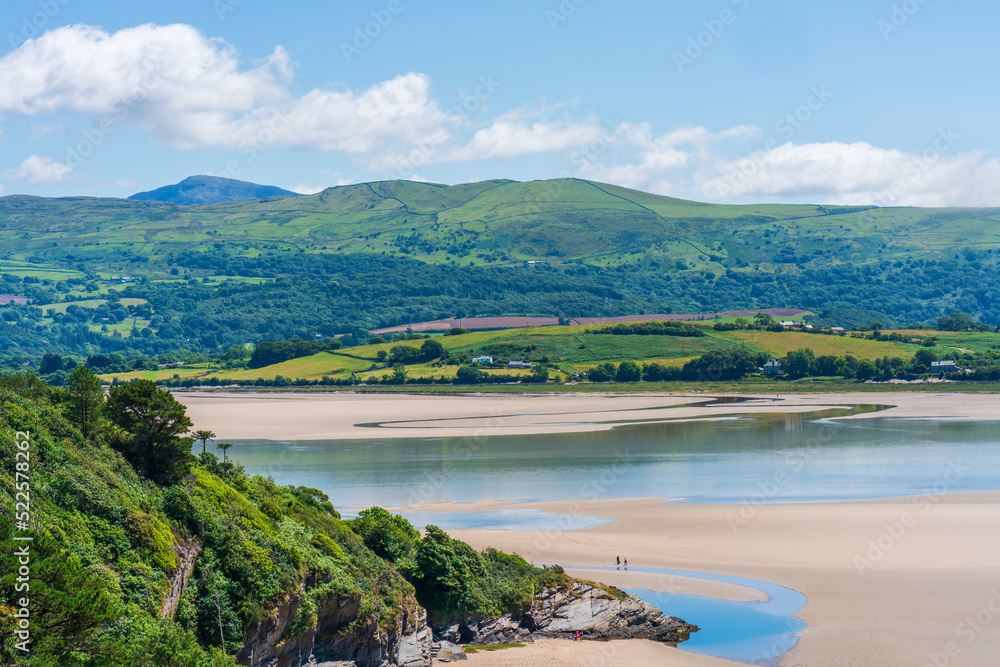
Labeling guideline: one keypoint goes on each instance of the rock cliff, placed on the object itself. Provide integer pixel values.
(561, 612)
(338, 639)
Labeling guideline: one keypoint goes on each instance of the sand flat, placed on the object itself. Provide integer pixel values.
(313, 416)
(879, 592)
(566, 653)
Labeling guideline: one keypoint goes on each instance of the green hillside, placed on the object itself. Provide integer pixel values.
(354, 258)
(141, 554)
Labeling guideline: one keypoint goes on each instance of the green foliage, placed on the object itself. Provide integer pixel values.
(269, 352)
(155, 425)
(168, 645)
(70, 605)
(605, 372)
(452, 579)
(468, 375)
(799, 363)
(718, 365)
(628, 371)
(86, 400)
(390, 536)
(102, 572)
(653, 328)
(152, 536)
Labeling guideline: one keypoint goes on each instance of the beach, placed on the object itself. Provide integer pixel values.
(908, 582)
(899, 582)
(320, 416)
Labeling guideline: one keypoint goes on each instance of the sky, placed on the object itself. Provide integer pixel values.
(731, 101)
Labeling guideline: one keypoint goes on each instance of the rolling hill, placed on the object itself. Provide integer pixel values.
(375, 255)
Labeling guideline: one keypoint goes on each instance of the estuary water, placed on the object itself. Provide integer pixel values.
(763, 458)
(760, 458)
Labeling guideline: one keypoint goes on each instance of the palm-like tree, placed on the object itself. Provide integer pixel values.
(224, 446)
(204, 436)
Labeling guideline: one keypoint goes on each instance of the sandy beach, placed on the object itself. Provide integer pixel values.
(345, 415)
(899, 582)
(909, 582)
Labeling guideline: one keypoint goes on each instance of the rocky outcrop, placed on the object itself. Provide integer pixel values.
(337, 638)
(187, 554)
(562, 612)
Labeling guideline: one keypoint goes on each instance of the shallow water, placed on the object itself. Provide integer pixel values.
(765, 458)
(753, 632)
(758, 458)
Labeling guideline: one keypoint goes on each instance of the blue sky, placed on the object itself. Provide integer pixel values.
(889, 103)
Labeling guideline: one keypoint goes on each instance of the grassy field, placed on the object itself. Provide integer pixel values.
(780, 344)
(89, 303)
(562, 346)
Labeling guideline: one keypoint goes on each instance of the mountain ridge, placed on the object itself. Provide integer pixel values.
(211, 190)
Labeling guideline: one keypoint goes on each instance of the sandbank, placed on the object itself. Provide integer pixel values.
(303, 416)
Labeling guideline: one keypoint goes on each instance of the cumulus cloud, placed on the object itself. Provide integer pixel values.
(695, 163)
(520, 133)
(37, 169)
(857, 173)
(189, 91)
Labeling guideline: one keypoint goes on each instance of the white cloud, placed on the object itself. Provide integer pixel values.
(37, 169)
(189, 91)
(520, 133)
(307, 189)
(857, 173)
(695, 163)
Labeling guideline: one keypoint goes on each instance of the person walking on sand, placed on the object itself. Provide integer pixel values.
(618, 561)
(576, 636)
(626, 562)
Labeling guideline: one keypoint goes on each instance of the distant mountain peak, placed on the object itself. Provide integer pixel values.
(211, 190)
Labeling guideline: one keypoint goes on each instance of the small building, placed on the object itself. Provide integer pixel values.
(771, 368)
(519, 364)
(789, 324)
(483, 360)
(837, 329)
(943, 366)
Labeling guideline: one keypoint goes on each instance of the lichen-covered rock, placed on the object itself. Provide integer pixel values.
(562, 612)
(445, 651)
(337, 638)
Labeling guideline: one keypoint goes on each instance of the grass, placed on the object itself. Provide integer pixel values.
(476, 648)
(780, 344)
(561, 345)
(89, 303)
